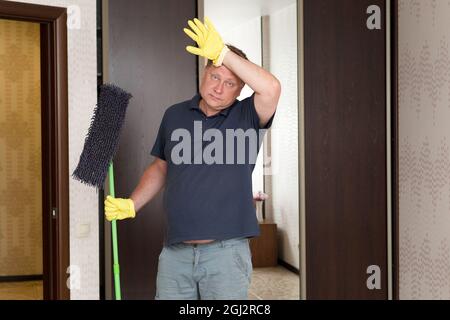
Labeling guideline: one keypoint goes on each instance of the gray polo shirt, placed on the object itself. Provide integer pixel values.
(210, 160)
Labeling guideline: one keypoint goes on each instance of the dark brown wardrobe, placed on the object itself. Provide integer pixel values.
(346, 126)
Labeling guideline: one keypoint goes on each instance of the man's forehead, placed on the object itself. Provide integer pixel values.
(223, 71)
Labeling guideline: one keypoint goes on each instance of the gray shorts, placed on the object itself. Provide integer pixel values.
(220, 270)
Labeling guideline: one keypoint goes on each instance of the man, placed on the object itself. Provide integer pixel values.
(208, 191)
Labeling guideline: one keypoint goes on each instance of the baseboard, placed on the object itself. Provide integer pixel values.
(288, 266)
(21, 278)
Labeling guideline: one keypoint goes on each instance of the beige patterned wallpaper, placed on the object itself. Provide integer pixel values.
(424, 173)
(20, 150)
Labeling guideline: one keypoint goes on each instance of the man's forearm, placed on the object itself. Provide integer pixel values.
(266, 86)
(150, 184)
(260, 80)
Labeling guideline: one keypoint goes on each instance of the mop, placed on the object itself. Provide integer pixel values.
(99, 148)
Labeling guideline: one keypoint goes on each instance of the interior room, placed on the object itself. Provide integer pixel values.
(349, 195)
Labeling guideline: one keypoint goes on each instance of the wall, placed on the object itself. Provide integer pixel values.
(283, 206)
(424, 135)
(20, 150)
(82, 64)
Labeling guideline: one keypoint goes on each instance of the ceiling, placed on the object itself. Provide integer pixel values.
(230, 13)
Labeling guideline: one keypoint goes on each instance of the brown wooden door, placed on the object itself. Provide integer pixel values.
(147, 57)
(345, 149)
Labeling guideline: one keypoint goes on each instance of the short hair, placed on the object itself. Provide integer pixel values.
(235, 50)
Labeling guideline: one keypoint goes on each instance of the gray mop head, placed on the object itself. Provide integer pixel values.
(103, 137)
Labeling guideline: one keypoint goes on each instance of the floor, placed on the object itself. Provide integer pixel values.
(275, 283)
(27, 290)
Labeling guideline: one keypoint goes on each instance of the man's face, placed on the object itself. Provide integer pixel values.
(220, 87)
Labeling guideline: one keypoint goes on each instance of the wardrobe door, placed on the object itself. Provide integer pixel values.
(345, 149)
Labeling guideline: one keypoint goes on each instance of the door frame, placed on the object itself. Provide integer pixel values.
(54, 124)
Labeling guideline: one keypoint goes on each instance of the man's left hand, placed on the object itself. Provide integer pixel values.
(209, 41)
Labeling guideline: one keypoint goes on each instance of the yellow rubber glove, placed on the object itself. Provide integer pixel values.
(209, 41)
(119, 209)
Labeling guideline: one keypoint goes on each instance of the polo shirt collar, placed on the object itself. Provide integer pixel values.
(195, 104)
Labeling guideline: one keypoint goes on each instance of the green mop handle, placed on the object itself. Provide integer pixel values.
(114, 238)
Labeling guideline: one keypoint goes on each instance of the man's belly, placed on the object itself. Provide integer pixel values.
(198, 241)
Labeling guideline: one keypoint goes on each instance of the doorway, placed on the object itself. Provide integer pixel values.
(34, 206)
(267, 32)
